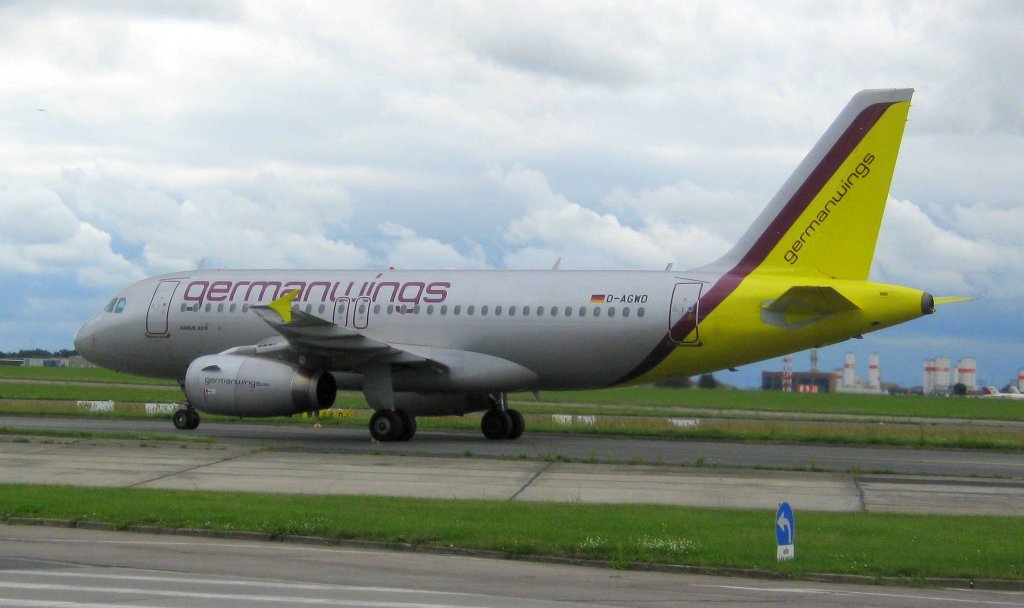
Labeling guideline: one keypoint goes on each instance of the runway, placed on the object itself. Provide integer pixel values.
(578, 447)
(84, 568)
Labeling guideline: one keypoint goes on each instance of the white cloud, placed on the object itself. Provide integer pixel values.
(913, 250)
(406, 249)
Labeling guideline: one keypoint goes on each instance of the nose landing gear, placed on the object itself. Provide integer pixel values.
(186, 419)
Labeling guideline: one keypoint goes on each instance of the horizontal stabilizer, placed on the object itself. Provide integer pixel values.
(801, 306)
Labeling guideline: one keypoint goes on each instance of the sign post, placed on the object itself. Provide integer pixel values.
(785, 532)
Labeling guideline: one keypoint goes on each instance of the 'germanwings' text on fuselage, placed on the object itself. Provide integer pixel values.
(422, 343)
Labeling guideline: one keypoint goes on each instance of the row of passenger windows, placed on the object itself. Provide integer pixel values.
(443, 310)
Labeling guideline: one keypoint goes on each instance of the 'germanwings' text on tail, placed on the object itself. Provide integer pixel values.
(448, 342)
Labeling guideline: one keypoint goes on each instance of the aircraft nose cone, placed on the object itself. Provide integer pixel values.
(85, 340)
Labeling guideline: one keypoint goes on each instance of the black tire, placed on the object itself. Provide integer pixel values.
(193, 419)
(181, 420)
(518, 424)
(385, 425)
(408, 425)
(496, 424)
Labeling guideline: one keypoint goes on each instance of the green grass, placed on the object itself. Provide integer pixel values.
(872, 544)
(74, 392)
(720, 399)
(69, 374)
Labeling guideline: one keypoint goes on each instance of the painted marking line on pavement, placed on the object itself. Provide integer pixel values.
(228, 582)
(277, 599)
(846, 592)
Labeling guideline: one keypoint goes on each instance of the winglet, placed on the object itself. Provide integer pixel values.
(283, 305)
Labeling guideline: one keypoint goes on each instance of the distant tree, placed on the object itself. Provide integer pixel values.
(960, 389)
(708, 381)
(680, 382)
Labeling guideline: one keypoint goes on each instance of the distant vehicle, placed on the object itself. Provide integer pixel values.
(991, 392)
(447, 342)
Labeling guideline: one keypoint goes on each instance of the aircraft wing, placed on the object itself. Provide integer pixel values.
(300, 333)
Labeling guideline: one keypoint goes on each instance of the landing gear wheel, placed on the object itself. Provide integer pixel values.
(386, 425)
(518, 424)
(408, 425)
(186, 419)
(496, 424)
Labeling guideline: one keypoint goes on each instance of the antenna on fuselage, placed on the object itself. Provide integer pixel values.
(669, 267)
(558, 263)
(199, 263)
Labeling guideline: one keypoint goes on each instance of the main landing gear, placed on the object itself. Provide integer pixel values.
(392, 425)
(186, 419)
(501, 422)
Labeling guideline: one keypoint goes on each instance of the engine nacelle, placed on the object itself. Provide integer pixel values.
(237, 385)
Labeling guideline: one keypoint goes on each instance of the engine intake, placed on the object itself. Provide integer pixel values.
(237, 385)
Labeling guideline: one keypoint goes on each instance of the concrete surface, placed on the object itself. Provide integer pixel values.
(154, 464)
(77, 568)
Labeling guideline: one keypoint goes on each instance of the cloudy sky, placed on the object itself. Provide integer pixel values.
(140, 138)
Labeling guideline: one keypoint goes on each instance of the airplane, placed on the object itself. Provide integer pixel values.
(449, 342)
(991, 392)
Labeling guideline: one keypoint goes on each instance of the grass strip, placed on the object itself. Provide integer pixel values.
(870, 544)
(77, 374)
(830, 403)
(18, 390)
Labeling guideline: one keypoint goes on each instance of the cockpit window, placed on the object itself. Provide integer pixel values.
(115, 305)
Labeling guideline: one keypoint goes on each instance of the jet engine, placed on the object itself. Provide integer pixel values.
(238, 385)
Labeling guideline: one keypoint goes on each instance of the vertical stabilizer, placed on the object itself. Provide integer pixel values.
(824, 220)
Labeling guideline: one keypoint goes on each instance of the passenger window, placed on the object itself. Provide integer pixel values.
(430, 309)
(526, 311)
(182, 307)
(568, 311)
(625, 312)
(554, 311)
(597, 311)
(469, 310)
(415, 309)
(362, 308)
(322, 308)
(583, 311)
(391, 308)
(207, 307)
(457, 310)
(511, 311)
(444, 309)
(497, 311)
(640, 312)
(119, 307)
(245, 308)
(483, 311)
(611, 311)
(233, 307)
(309, 308)
(540, 311)
(220, 307)
(376, 309)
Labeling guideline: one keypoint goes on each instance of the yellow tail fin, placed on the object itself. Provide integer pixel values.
(824, 220)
